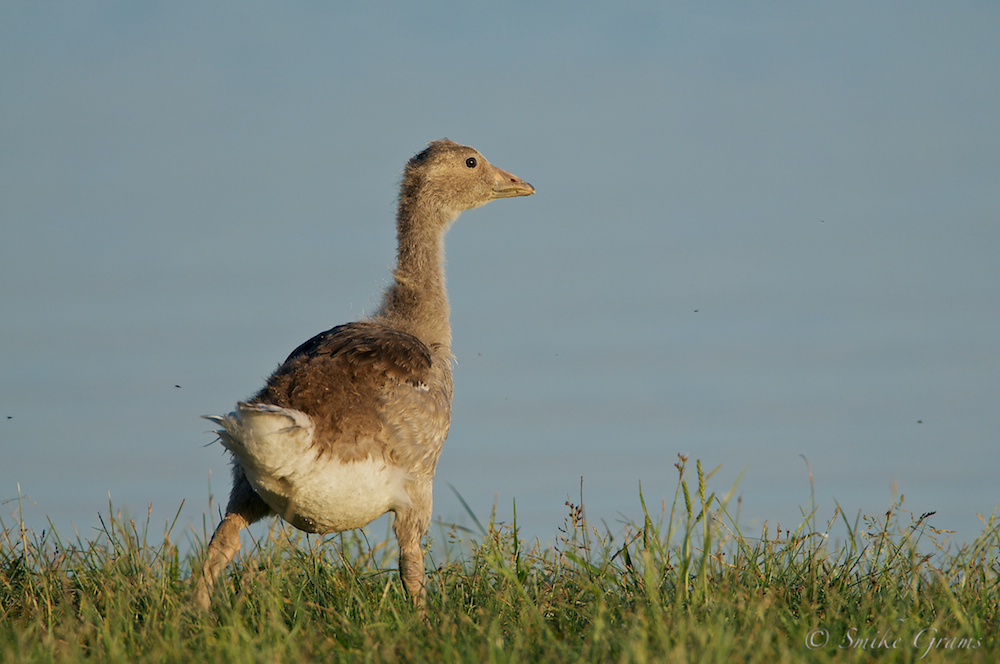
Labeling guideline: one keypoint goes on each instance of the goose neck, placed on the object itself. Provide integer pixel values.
(417, 300)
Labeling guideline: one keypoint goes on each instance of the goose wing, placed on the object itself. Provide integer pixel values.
(370, 391)
(364, 344)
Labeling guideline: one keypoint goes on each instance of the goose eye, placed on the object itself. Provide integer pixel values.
(471, 162)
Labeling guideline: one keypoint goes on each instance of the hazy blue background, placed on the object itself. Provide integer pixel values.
(762, 230)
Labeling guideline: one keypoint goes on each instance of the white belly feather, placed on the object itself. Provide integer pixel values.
(274, 446)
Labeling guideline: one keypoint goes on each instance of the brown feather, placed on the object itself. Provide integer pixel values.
(341, 378)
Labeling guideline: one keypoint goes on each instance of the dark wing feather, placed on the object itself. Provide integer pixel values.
(402, 355)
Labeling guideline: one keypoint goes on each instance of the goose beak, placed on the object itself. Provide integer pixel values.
(508, 185)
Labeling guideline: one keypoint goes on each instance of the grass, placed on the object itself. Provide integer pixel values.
(684, 585)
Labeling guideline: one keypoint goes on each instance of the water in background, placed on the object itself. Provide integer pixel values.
(106, 389)
(758, 238)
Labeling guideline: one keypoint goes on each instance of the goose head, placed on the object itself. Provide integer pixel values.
(454, 178)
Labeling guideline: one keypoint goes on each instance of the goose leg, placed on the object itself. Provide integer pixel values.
(244, 508)
(410, 526)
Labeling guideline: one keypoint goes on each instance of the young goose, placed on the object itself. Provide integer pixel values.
(351, 425)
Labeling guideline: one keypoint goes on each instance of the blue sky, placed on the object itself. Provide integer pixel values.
(762, 231)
